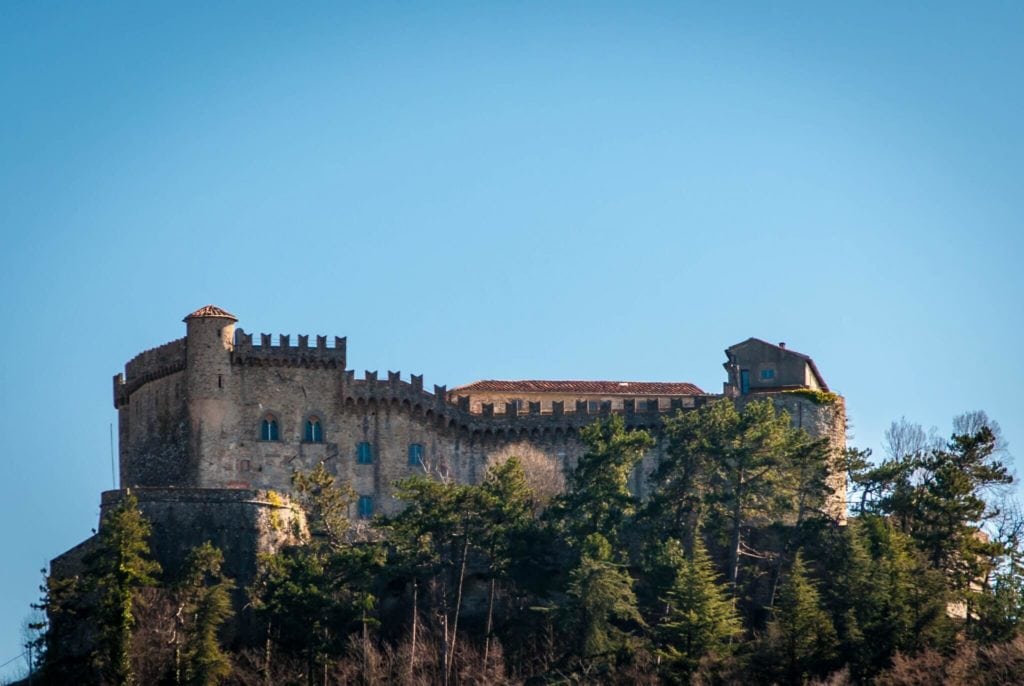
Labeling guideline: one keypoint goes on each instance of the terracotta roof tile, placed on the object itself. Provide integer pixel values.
(210, 311)
(638, 388)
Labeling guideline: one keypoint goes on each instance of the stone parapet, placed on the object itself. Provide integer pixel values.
(302, 354)
(148, 366)
(242, 523)
(456, 415)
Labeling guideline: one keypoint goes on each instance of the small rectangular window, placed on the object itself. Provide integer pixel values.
(364, 453)
(415, 454)
(593, 405)
(767, 374)
(365, 507)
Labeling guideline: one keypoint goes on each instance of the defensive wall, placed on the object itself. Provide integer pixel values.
(191, 411)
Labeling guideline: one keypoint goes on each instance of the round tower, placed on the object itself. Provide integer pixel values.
(209, 341)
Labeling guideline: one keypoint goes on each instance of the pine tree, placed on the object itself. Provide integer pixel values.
(602, 609)
(801, 637)
(727, 470)
(700, 618)
(206, 605)
(599, 500)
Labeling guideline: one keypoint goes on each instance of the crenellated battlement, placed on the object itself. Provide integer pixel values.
(455, 413)
(147, 366)
(278, 350)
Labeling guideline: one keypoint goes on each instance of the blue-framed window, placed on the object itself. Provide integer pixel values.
(364, 453)
(744, 381)
(268, 428)
(314, 432)
(365, 507)
(767, 374)
(415, 454)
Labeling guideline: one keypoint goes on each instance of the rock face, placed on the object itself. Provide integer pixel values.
(213, 424)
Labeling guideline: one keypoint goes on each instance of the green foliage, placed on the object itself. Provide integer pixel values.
(694, 584)
(815, 396)
(700, 619)
(602, 607)
(205, 607)
(311, 596)
(728, 469)
(599, 499)
(801, 637)
(115, 569)
(325, 503)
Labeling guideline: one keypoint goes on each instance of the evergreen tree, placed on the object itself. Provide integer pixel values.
(599, 500)
(700, 618)
(728, 470)
(602, 610)
(801, 638)
(312, 595)
(206, 605)
(114, 571)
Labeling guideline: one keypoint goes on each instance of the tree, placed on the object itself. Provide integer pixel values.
(700, 618)
(599, 500)
(312, 595)
(882, 595)
(205, 605)
(508, 513)
(114, 571)
(733, 469)
(800, 636)
(602, 608)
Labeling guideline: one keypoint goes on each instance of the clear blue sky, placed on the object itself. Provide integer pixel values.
(560, 190)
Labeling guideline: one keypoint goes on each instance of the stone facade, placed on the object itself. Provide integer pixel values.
(195, 420)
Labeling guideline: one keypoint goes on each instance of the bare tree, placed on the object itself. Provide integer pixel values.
(543, 471)
(970, 423)
(904, 439)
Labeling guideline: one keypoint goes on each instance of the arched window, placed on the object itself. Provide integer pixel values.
(314, 433)
(268, 428)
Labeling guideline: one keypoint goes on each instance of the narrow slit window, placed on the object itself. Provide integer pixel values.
(364, 453)
(314, 432)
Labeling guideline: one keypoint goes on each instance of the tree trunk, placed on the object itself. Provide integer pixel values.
(266, 659)
(490, 624)
(415, 622)
(458, 607)
(734, 547)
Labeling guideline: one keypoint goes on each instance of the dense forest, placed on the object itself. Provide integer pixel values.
(729, 571)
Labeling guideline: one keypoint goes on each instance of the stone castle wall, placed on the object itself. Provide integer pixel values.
(240, 522)
(190, 415)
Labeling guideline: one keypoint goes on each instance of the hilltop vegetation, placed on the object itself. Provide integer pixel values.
(728, 571)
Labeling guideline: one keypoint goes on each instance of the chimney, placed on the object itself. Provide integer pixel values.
(782, 344)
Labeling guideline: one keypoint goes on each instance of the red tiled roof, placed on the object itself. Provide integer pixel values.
(639, 388)
(210, 311)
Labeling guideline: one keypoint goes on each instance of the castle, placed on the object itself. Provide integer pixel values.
(213, 424)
